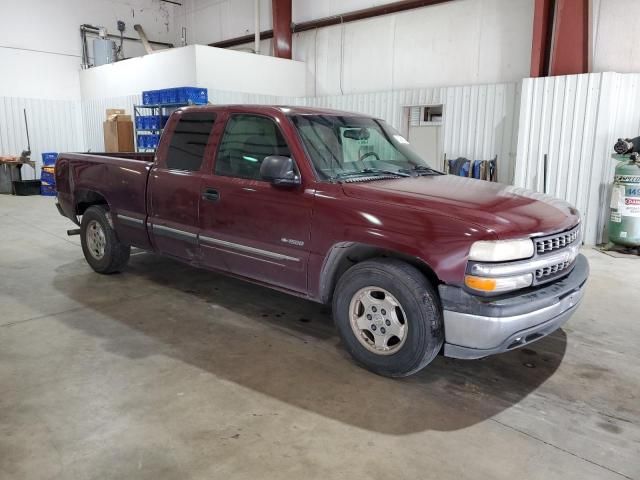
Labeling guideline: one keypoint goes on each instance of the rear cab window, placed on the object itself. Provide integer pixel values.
(189, 141)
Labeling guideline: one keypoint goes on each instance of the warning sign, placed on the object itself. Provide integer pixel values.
(630, 207)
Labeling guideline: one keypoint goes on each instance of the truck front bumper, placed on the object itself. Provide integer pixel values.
(476, 327)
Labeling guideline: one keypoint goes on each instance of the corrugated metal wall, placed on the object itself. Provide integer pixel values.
(54, 126)
(574, 121)
(94, 114)
(479, 121)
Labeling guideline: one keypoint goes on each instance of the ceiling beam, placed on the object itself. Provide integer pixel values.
(394, 7)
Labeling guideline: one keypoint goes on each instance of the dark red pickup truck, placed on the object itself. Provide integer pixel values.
(336, 207)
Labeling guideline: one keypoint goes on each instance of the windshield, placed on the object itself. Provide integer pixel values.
(340, 147)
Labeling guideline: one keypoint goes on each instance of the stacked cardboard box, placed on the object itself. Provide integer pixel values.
(118, 131)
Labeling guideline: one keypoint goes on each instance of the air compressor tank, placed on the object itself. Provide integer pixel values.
(624, 222)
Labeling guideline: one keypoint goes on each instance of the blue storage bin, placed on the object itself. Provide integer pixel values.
(153, 140)
(168, 96)
(150, 97)
(196, 95)
(49, 158)
(162, 96)
(140, 122)
(48, 190)
(142, 141)
(47, 177)
(153, 122)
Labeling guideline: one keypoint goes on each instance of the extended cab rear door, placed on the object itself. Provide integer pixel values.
(175, 183)
(260, 231)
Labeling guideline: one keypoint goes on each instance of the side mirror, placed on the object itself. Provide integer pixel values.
(280, 171)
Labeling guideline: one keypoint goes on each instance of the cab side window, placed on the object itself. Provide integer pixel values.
(247, 140)
(189, 141)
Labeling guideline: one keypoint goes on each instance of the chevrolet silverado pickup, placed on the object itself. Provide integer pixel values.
(335, 207)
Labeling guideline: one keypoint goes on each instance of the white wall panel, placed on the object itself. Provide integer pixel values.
(54, 126)
(479, 121)
(40, 47)
(574, 121)
(462, 42)
(94, 114)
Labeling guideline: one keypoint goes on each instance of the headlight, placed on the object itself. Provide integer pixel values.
(501, 250)
(498, 284)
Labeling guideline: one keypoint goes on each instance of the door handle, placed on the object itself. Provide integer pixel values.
(210, 194)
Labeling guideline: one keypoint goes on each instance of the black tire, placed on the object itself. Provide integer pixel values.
(116, 254)
(421, 305)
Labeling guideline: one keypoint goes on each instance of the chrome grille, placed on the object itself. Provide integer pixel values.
(552, 269)
(557, 241)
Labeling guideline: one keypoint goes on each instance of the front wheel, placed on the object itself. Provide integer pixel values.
(100, 244)
(388, 316)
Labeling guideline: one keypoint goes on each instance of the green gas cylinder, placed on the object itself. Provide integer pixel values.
(624, 223)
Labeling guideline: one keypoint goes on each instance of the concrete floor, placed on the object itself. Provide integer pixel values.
(168, 372)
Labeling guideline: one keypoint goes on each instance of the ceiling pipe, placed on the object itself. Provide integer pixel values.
(94, 30)
(335, 20)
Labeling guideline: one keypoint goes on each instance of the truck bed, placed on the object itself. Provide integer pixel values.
(119, 177)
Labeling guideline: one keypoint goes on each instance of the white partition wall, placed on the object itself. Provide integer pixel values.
(233, 71)
(574, 121)
(230, 77)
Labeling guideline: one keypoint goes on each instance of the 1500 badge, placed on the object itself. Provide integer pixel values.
(290, 241)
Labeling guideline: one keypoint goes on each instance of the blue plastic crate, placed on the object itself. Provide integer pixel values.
(49, 158)
(191, 95)
(47, 177)
(153, 122)
(142, 141)
(140, 122)
(196, 95)
(150, 97)
(153, 140)
(168, 96)
(48, 190)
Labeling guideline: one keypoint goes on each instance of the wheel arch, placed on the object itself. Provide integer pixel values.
(344, 255)
(86, 198)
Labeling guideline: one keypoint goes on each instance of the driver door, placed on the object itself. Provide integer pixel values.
(260, 231)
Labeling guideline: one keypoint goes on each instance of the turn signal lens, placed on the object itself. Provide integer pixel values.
(480, 283)
(498, 284)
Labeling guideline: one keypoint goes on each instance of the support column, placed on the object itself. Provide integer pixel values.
(281, 10)
(560, 44)
(570, 53)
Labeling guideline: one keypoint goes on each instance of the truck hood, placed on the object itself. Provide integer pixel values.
(506, 211)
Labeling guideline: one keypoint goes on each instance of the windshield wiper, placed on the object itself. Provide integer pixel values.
(421, 169)
(399, 172)
(370, 171)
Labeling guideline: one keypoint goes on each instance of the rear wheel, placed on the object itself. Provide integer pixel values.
(388, 316)
(100, 244)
